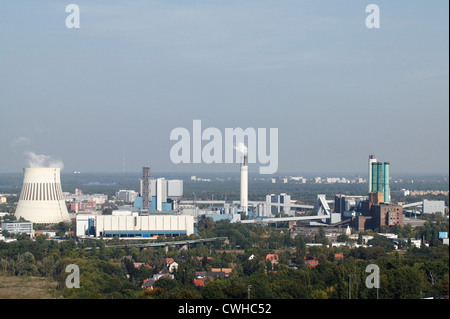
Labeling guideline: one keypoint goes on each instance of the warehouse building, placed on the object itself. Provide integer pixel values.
(134, 226)
(143, 226)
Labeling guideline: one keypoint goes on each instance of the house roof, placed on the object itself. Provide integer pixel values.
(272, 257)
(224, 270)
(312, 263)
(148, 283)
(199, 282)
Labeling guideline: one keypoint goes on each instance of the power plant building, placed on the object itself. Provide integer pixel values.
(281, 203)
(134, 225)
(433, 206)
(161, 193)
(386, 214)
(377, 211)
(143, 226)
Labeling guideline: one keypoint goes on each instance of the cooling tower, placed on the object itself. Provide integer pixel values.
(41, 199)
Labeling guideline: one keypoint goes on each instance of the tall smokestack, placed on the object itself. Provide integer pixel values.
(387, 195)
(372, 159)
(41, 199)
(244, 184)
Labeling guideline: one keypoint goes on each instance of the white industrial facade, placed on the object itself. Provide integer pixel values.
(18, 227)
(433, 206)
(149, 225)
(84, 222)
(41, 199)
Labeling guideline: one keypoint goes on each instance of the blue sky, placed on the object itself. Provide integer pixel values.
(135, 70)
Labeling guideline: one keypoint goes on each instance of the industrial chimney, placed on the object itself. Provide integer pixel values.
(244, 184)
(41, 199)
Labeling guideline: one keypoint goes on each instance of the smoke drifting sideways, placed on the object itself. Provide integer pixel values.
(42, 160)
(241, 148)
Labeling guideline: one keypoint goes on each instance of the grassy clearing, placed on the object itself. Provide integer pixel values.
(14, 287)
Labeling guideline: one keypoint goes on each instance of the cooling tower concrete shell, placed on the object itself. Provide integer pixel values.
(41, 199)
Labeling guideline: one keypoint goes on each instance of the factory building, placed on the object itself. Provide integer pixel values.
(85, 225)
(18, 228)
(162, 195)
(377, 210)
(134, 226)
(348, 206)
(433, 206)
(386, 214)
(275, 204)
(143, 226)
(126, 196)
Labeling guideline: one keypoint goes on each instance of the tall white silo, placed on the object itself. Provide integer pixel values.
(41, 199)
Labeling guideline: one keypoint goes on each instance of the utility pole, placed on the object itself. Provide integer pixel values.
(249, 287)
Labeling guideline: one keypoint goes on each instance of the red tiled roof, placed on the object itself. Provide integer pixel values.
(312, 263)
(272, 257)
(199, 282)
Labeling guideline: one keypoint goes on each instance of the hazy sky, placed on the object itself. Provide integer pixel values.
(135, 70)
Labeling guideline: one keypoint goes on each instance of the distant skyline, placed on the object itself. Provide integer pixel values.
(105, 97)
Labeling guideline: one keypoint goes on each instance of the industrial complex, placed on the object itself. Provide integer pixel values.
(160, 209)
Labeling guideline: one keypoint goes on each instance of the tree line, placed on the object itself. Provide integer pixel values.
(110, 272)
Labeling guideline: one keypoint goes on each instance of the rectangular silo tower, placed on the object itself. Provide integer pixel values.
(372, 159)
(374, 176)
(387, 195)
(379, 177)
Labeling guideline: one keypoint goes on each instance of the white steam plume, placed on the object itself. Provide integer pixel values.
(241, 148)
(42, 160)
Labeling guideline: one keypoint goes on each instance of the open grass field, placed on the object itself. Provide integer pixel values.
(14, 287)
